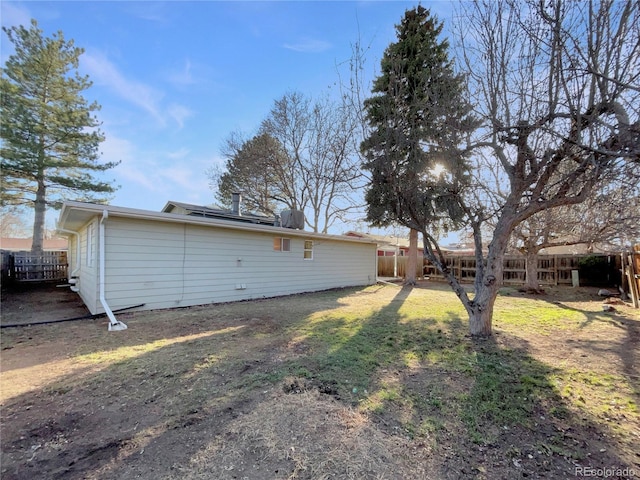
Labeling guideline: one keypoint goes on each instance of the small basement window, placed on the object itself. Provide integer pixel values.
(308, 250)
(282, 244)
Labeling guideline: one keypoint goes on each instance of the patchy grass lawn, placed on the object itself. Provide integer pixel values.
(378, 382)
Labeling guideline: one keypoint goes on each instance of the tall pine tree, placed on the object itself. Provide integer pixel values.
(50, 137)
(252, 169)
(418, 118)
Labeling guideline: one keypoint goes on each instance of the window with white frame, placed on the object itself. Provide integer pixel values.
(281, 244)
(308, 250)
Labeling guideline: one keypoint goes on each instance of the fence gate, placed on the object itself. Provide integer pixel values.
(29, 267)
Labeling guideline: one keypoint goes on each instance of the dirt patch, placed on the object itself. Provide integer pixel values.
(35, 303)
(236, 391)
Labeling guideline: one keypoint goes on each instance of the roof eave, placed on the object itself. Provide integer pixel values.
(94, 209)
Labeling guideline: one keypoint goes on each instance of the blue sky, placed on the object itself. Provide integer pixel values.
(176, 78)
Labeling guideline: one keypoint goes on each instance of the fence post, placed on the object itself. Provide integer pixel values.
(634, 281)
(8, 267)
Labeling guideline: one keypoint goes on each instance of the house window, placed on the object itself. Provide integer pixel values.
(308, 250)
(90, 245)
(282, 244)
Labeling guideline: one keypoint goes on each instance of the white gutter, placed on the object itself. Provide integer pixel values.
(114, 324)
(73, 275)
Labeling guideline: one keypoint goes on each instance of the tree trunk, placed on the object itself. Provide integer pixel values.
(531, 278)
(480, 309)
(412, 261)
(480, 321)
(40, 206)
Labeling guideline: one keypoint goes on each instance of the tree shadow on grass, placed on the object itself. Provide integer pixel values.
(600, 338)
(512, 416)
(369, 344)
(79, 425)
(421, 377)
(496, 400)
(627, 350)
(152, 391)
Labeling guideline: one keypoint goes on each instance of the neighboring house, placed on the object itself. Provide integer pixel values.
(388, 245)
(24, 244)
(124, 257)
(581, 249)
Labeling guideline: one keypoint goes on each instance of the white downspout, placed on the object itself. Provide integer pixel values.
(73, 275)
(114, 324)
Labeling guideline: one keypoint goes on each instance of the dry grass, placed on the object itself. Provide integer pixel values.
(310, 436)
(379, 383)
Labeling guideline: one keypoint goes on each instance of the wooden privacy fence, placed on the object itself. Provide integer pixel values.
(595, 270)
(29, 267)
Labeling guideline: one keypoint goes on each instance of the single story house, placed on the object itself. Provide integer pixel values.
(123, 258)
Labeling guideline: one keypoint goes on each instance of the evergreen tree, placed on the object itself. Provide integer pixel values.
(50, 137)
(252, 169)
(418, 119)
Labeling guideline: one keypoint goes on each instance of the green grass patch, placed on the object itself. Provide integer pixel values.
(426, 330)
(422, 330)
(508, 388)
(535, 315)
(599, 395)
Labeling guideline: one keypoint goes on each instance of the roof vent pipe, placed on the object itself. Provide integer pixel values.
(236, 198)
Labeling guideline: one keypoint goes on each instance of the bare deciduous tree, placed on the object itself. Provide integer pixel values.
(302, 158)
(323, 171)
(556, 85)
(12, 223)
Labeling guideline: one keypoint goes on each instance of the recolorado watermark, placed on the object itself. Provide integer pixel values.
(605, 472)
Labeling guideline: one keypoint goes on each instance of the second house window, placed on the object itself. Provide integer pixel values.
(308, 250)
(282, 244)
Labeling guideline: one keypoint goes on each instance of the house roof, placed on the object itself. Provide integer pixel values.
(24, 244)
(581, 249)
(74, 215)
(209, 212)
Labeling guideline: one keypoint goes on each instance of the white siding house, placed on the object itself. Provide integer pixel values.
(161, 260)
